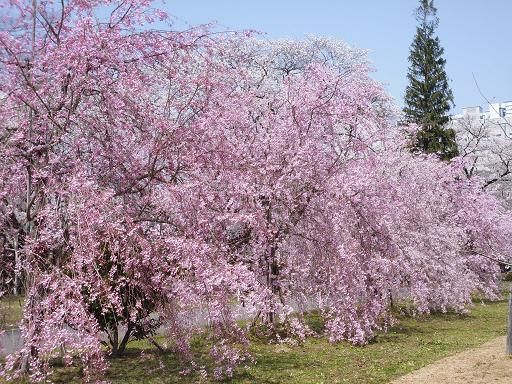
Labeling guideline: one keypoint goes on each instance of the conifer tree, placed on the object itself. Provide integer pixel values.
(428, 97)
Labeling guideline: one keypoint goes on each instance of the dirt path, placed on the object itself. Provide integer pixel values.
(486, 364)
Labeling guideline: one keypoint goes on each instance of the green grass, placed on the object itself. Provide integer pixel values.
(11, 308)
(411, 344)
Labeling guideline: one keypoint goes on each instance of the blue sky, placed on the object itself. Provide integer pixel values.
(476, 35)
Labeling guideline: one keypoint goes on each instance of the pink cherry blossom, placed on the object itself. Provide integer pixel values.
(149, 178)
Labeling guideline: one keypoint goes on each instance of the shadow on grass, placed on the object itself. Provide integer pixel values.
(135, 366)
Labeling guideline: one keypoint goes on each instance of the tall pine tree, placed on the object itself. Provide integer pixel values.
(428, 96)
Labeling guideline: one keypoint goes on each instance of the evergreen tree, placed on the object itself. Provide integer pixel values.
(428, 96)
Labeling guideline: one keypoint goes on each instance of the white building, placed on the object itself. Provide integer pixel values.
(485, 142)
(495, 111)
(495, 122)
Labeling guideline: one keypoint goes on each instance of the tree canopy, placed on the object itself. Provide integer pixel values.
(428, 97)
(151, 180)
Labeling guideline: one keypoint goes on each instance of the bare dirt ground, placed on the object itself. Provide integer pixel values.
(487, 364)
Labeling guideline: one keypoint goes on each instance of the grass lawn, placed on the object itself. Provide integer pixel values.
(411, 344)
(11, 308)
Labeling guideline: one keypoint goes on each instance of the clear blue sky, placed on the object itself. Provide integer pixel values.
(476, 35)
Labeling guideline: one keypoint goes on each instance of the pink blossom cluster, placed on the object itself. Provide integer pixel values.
(156, 181)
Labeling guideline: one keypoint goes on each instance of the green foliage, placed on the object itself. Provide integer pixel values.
(508, 276)
(134, 310)
(428, 97)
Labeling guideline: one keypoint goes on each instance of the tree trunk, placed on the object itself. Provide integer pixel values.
(118, 348)
(124, 342)
(273, 281)
(114, 342)
(158, 346)
(17, 267)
